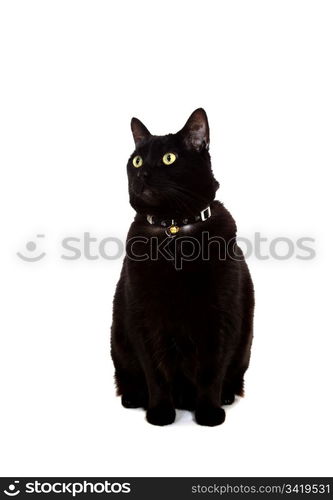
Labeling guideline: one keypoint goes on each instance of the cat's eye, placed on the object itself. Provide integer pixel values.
(137, 161)
(169, 158)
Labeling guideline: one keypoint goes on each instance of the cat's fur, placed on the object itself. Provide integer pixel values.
(181, 337)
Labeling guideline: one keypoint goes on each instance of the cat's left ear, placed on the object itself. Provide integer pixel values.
(139, 131)
(195, 132)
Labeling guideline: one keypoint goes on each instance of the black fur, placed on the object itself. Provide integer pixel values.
(181, 336)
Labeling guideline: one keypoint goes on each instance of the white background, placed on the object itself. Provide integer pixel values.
(73, 73)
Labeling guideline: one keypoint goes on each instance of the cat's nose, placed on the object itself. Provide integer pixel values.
(142, 173)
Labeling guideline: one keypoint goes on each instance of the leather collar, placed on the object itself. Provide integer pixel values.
(172, 226)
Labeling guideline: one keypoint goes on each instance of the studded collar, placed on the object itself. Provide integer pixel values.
(173, 226)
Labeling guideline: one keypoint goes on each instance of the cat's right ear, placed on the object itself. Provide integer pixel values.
(139, 131)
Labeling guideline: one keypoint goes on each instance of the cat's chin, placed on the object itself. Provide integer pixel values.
(148, 195)
(145, 201)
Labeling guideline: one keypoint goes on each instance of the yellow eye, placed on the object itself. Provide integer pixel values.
(169, 158)
(137, 161)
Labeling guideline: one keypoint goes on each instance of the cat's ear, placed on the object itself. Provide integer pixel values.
(139, 131)
(195, 132)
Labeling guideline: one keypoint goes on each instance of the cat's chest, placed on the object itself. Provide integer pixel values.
(155, 256)
(173, 296)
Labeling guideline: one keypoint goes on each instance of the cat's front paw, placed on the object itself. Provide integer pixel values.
(227, 399)
(132, 402)
(210, 416)
(161, 415)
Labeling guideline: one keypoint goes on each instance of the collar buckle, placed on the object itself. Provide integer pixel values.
(205, 214)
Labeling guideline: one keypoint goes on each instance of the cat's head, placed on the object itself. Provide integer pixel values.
(171, 175)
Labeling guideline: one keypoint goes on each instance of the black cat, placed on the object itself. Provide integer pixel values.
(183, 307)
